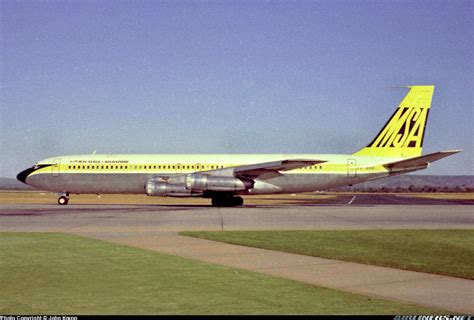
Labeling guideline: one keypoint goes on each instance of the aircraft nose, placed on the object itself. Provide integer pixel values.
(24, 174)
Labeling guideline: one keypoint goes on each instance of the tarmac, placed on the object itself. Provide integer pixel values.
(155, 227)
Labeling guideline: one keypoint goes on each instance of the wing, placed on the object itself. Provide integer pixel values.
(246, 172)
(253, 171)
(417, 163)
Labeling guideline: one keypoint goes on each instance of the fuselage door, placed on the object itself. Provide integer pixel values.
(55, 167)
(351, 168)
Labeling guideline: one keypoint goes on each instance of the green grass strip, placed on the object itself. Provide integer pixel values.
(53, 273)
(446, 252)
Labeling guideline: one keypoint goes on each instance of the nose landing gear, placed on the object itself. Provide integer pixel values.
(63, 199)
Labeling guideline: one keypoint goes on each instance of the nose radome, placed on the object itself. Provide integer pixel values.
(24, 174)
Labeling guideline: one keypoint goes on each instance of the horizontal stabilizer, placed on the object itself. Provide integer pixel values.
(418, 162)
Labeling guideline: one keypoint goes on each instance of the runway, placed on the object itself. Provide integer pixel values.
(156, 226)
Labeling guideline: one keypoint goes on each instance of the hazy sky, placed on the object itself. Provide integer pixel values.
(229, 76)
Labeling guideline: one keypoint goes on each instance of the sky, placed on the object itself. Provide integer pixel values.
(229, 76)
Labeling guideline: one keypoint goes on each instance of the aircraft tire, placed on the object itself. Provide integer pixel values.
(62, 200)
(238, 201)
(217, 202)
(227, 201)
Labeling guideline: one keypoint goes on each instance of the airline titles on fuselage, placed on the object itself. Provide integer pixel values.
(99, 161)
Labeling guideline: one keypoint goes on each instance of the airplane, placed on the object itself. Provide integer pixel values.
(224, 178)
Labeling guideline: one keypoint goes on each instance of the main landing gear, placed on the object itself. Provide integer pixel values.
(228, 201)
(63, 199)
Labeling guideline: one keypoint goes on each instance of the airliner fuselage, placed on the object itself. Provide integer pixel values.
(130, 173)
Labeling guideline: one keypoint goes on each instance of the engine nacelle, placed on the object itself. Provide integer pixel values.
(165, 189)
(203, 182)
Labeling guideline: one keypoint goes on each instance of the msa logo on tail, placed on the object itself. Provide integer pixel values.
(403, 134)
(404, 130)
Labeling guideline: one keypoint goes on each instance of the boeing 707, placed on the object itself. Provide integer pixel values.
(224, 178)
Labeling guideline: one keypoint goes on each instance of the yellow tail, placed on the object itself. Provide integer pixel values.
(402, 135)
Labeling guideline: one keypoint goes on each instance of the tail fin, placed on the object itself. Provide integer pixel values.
(402, 135)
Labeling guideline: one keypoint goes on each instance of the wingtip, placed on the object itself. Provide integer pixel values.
(450, 152)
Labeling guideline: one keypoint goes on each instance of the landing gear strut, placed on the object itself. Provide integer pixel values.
(63, 199)
(227, 201)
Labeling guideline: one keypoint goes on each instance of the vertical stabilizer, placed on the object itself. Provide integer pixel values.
(402, 135)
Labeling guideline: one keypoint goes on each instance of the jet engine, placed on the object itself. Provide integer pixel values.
(203, 182)
(195, 185)
(156, 188)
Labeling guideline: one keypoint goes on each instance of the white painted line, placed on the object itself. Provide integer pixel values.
(351, 200)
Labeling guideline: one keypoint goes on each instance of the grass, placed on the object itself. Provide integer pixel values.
(53, 273)
(446, 252)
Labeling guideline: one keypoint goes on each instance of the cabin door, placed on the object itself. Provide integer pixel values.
(351, 168)
(55, 167)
